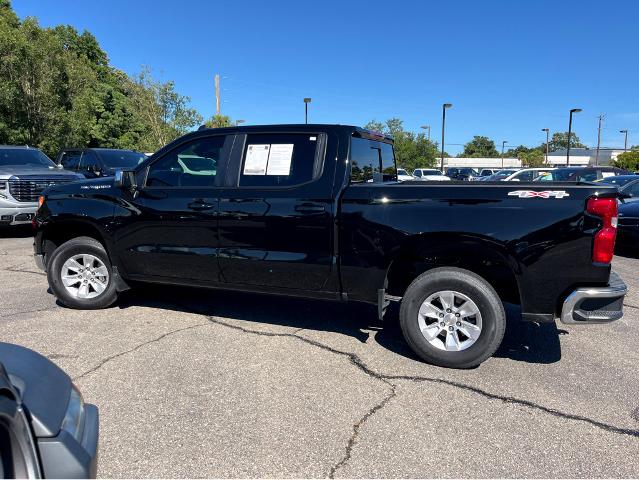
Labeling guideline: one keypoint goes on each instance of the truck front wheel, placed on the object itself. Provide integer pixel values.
(80, 274)
(452, 318)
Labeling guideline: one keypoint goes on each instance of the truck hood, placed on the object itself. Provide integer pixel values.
(17, 170)
(44, 388)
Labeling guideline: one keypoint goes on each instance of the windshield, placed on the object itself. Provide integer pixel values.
(401, 171)
(121, 158)
(24, 156)
(559, 175)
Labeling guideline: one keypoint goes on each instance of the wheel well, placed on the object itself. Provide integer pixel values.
(62, 232)
(481, 260)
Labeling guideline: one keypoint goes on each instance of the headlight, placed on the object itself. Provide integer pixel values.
(74, 418)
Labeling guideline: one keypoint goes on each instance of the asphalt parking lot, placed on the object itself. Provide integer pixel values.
(195, 383)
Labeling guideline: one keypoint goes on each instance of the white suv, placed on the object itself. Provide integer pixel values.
(429, 174)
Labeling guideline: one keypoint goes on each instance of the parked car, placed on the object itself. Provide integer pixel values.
(526, 175)
(628, 225)
(403, 176)
(46, 429)
(429, 174)
(464, 173)
(485, 172)
(580, 174)
(500, 175)
(98, 162)
(620, 180)
(24, 173)
(284, 213)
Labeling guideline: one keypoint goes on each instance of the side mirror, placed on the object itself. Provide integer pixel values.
(124, 179)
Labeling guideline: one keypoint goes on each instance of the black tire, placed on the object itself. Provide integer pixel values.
(470, 285)
(76, 246)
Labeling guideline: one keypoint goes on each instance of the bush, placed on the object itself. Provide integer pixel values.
(628, 161)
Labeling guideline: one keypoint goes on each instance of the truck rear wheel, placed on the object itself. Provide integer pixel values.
(452, 318)
(80, 274)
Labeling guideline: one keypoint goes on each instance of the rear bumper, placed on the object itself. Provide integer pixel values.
(592, 305)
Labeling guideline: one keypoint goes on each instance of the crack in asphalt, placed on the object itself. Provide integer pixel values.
(15, 268)
(137, 347)
(359, 363)
(630, 306)
(46, 309)
(353, 438)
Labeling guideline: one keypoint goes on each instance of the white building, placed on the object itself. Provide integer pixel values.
(584, 156)
(479, 163)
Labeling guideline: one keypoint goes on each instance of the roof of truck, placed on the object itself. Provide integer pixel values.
(300, 126)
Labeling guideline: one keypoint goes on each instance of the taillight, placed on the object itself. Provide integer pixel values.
(604, 244)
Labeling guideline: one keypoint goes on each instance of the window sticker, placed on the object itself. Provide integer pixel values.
(256, 159)
(607, 174)
(279, 161)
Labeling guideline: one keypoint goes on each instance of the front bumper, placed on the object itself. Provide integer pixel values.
(65, 457)
(592, 305)
(17, 214)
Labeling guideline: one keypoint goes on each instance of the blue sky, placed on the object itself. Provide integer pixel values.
(509, 68)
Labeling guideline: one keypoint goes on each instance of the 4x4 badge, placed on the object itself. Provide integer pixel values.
(544, 194)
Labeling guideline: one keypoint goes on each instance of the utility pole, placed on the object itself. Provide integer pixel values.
(601, 117)
(572, 110)
(217, 93)
(547, 141)
(427, 127)
(306, 102)
(503, 144)
(625, 142)
(444, 107)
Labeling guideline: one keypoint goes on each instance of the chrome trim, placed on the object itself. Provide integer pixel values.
(616, 288)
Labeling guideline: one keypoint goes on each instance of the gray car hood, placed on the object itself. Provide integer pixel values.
(10, 170)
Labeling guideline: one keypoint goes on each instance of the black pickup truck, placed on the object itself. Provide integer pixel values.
(316, 211)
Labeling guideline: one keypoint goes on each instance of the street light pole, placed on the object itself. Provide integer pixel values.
(444, 107)
(625, 142)
(573, 110)
(547, 141)
(503, 144)
(427, 127)
(306, 102)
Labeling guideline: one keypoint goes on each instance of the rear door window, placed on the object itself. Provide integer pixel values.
(372, 160)
(281, 159)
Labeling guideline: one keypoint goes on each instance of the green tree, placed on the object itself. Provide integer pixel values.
(411, 150)
(58, 90)
(628, 160)
(219, 121)
(532, 158)
(559, 141)
(165, 112)
(480, 147)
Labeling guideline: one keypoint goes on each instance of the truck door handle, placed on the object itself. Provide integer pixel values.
(200, 205)
(310, 208)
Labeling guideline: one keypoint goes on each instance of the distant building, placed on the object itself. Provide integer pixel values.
(584, 156)
(479, 163)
